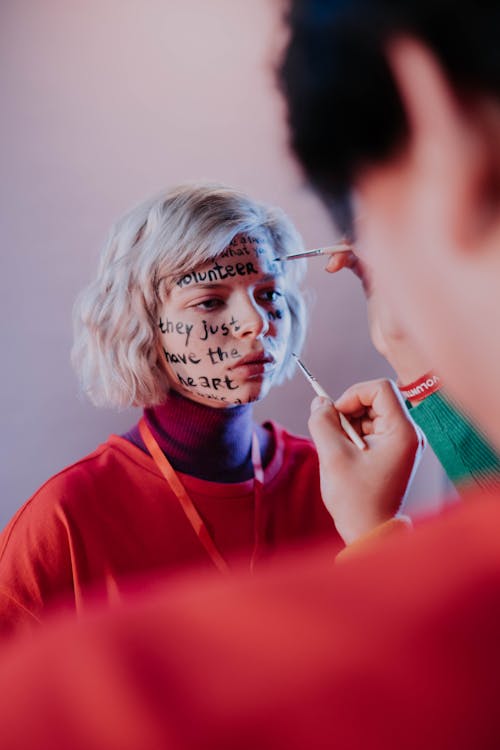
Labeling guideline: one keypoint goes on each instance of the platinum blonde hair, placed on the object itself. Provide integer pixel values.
(115, 351)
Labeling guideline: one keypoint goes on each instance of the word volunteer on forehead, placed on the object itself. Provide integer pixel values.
(218, 273)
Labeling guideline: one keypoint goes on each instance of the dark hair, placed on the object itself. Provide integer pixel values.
(344, 111)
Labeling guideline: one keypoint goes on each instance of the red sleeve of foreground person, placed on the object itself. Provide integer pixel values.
(395, 649)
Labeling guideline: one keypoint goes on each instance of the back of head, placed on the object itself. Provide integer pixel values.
(396, 104)
(344, 111)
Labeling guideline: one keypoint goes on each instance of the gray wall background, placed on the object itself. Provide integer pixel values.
(105, 102)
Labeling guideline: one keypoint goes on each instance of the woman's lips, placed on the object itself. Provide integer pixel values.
(254, 366)
(255, 369)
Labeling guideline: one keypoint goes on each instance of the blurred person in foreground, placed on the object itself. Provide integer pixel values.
(464, 451)
(396, 107)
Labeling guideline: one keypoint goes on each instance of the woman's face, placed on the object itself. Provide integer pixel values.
(225, 326)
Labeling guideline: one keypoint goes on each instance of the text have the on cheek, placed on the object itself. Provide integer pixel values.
(215, 356)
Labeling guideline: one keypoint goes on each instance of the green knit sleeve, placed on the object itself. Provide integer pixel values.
(463, 451)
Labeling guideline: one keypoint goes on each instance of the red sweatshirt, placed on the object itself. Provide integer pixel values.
(112, 515)
(397, 649)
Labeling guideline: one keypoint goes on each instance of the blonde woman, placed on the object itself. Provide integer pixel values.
(192, 319)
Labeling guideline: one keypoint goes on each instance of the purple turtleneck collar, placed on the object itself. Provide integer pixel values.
(207, 443)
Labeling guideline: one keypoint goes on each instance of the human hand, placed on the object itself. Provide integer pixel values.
(362, 489)
(387, 334)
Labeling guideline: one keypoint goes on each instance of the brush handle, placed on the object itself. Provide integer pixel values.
(351, 432)
(343, 248)
(344, 422)
(319, 390)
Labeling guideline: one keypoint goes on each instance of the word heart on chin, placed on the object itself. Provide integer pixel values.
(202, 381)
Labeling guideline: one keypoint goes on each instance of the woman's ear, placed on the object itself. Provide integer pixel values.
(453, 146)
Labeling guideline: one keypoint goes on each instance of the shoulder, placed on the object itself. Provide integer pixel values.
(294, 456)
(101, 462)
(292, 442)
(106, 467)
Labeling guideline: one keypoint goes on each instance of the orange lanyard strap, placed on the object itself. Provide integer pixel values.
(177, 488)
(258, 484)
(187, 504)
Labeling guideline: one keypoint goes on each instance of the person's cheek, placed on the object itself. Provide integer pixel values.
(277, 316)
(383, 254)
(199, 353)
(179, 348)
(283, 317)
(219, 350)
(280, 321)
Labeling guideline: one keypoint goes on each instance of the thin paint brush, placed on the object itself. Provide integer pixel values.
(344, 422)
(341, 248)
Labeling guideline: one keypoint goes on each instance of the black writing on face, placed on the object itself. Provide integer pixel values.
(224, 399)
(275, 315)
(205, 382)
(249, 238)
(169, 326)
(209, 329)
(258, 246)
(176, 358)
(243, 244)
(219, 354)
(235, 249)
(218, 272)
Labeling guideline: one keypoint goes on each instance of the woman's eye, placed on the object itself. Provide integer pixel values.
(209, 304)
(270, 295)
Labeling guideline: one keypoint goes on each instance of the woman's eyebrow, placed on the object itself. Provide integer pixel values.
(206, 285)
(271, 276)
(202, 285)
(199, 286)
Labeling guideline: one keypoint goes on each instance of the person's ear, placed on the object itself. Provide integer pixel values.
(453, 145)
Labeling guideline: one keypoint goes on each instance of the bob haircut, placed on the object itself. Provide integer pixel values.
(115, 352)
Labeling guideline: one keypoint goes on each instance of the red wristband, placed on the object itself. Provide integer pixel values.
(421, 388)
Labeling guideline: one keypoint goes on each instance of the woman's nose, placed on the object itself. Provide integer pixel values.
(253, 320)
